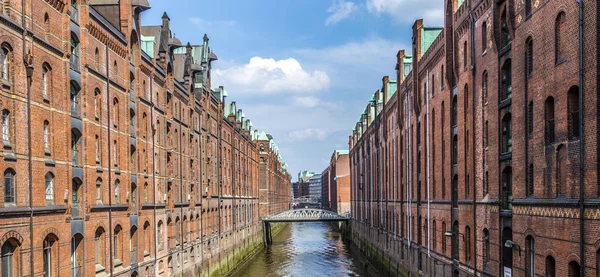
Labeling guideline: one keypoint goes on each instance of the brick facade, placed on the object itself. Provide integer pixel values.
(120, 159)
(480, 145)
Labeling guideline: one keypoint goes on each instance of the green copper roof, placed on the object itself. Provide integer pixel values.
(147, 45)
(372, 98)
(460, 2)
(391, 89)
(428, 35)
(263, 136)
(345, 151)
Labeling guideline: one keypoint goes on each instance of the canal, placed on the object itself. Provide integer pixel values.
(307, 249)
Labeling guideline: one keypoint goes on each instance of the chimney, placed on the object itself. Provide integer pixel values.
(400, 66)
(385, 80)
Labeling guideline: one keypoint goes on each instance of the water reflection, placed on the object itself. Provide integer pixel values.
(306, 249)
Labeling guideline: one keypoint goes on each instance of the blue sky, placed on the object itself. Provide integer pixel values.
(302, 70)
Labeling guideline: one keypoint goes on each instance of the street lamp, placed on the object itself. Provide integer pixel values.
(512, 244)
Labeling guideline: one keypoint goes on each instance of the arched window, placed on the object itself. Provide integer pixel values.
(530, 120)
(507, 188)
(465, 54)
(549, 120)
(74, 98)
(48, 253)
(529, 56)
(75, 147)
(455, 149)
(76, 197)
(6, 128)
(505, 38)
(97, 103)
(484, 86)
(99, 248)
(434, 236)
(562, 171)
(529, 257)
(559, 37)
(118, 243)
(550, 267)
(454, 111)
(115, 153)
(46, 137)
(74, 59)
(133, 242)
(468, 244)
(133, 201)
(10, 193)
(484, 37)
(46, 23)
(99, 190)
(145, 125)
(442, 77)
(46, 73)
(116, 112)
(574, 269)
(117, 192)
(507, 133)
(145, 193)
(573, 112)
(506, 88)
(486, 250)
(5, 63)
(147, 239)
(97, 148)
(159, 235)
(49, 188)
(97, 58)
(9, 258)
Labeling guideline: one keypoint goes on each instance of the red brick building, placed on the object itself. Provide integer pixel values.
(335, 181)
(140, 169)
(483, 160)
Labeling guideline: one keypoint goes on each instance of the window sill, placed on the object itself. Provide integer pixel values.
(46, 99)
(99, 268)
(561, 61)
(7, 144)
(5, 83)
(117, 262)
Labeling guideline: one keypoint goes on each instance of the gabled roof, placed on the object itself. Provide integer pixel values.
(391, 89)
(428, 35)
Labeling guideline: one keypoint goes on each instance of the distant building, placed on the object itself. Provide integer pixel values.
(335, 183)
(303, 185)
(325, 191)
(295, 189)
(314, 187)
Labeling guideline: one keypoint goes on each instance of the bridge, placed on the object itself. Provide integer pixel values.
(305, 215)
(299, 215)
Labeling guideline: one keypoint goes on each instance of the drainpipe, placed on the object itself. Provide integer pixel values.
(581, 139)
(154, 130)
(428, 165)
(29, 70)
(408, 173)
(110, 196)
(473, 155)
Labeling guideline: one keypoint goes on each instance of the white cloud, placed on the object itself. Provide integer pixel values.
(409, 10)
(201, 23)
(312, 102)
(306, 101)
(369, 54)
(308, 134)
(262, 75)
(340, 10)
